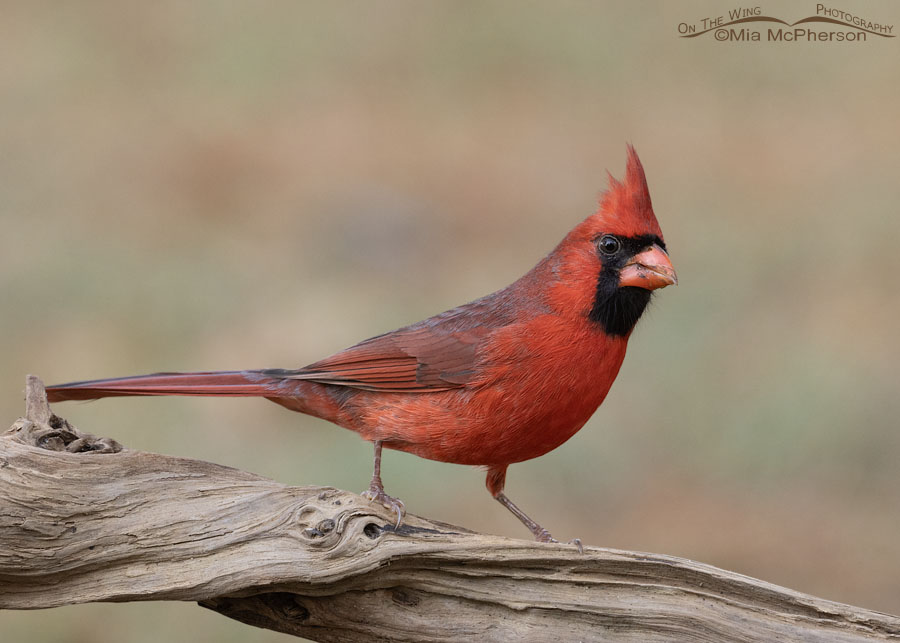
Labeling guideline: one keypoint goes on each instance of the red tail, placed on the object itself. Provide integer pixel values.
(226, 383)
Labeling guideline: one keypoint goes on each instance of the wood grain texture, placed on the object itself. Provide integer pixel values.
(83, 519)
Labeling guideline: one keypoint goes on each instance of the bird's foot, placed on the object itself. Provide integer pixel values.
(375, 493)
(540, 534)
(543, 536)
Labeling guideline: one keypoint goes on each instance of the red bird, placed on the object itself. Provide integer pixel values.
(502, 379)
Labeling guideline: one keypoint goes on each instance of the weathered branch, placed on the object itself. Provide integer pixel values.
(82, 519)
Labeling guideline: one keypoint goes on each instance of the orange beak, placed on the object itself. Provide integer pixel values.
(650, 269)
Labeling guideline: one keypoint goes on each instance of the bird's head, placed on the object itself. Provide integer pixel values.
(617, 254)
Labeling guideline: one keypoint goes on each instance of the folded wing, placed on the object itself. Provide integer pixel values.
(416, 359)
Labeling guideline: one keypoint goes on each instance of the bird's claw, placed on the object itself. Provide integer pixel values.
(374, 494)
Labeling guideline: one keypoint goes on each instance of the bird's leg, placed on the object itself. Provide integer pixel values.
(496, 480)
(540, 534)
(376, 493)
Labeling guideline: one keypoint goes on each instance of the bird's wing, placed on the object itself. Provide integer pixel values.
(417, 359)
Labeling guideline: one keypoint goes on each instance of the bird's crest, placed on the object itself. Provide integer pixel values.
(625, 206)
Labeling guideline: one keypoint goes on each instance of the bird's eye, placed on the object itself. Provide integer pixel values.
(608, 244)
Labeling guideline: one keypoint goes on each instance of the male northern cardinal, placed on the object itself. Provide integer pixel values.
(502, 379)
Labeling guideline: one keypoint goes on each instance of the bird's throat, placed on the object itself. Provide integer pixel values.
(616, 310)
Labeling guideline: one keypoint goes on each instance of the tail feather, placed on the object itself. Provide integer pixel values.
(224, 383)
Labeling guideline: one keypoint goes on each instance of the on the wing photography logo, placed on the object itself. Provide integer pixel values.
(828, 24)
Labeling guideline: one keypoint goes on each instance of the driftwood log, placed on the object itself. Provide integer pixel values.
(84, 519)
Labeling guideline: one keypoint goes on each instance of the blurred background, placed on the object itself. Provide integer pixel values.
(205, 185)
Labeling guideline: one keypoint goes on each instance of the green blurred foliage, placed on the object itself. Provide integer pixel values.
(195, 186)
